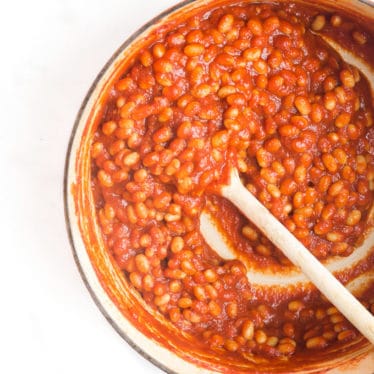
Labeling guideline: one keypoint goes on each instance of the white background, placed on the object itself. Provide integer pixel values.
(50, 53)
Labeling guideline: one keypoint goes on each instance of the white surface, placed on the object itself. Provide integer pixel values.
(51, 51)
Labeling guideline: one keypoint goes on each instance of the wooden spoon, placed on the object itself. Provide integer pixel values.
(334, 291)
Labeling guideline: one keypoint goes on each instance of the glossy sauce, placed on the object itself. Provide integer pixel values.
(248, 86)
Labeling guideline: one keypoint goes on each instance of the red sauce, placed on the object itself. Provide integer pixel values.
(249, 86)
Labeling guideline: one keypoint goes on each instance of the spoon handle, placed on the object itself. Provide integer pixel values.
(335, 292)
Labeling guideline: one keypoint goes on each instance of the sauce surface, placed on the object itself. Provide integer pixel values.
(249, 86)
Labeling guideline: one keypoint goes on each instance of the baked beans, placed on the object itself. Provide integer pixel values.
(249, 86)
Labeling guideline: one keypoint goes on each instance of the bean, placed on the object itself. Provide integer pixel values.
(342, 120)
(202, 91)
(330, 162)
(274, 191)
(324, 183)
(278, 168)
(264, 158)
(211, 291)
(248, 330)
(220, 139)
(341, 95)
(232, 124)
(96, 149)
(141, 210)
(232, 310)
(136, 280)
(320, 314)
(353, 218)
(317, 113)
(260, 336)
(340, 155)
(328, 211)
(289, 130)
(194, 49)
(109, 211)
(331, 310)
(271, 24)
(175, 286)
(158, 50)
(345, 335)
(174, 314)
(288, 187)
(298, 199)
(317, 342)
(199, 293)
(295, 306)
(142, 263)
(336, 20)
(272, 341)
(330, 83)
(303, 105)
(334, 236)
(105, 178)
(131, 159)
(231, 345)
(210, 275)
(329, 101)
(120, 102)
(127, 109)
(336, 188)
(125, 84)
(255, 26)
(249, 233)
(263, 250)
(347, 78)
(175, 273)
(185, 302)
(260, 66)
(289, 329)
(177, 244)
(159, 289)
(329, 335)
(225, 23)
(318, 22)
(216, 340)
(214, 308)
(148, 282)
(300, 174)
(359, 37)
(120, 176)
(286, 348)
(273, 145)
(109, 127)
(188, 267)
(342, 326)
(252, 54)
(162, 135)
(322, 227)
(361, 164)
(336, 318)
(140, 175)
(162, 300)
(340, 249)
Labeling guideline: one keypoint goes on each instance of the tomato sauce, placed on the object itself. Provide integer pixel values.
(254, 87)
